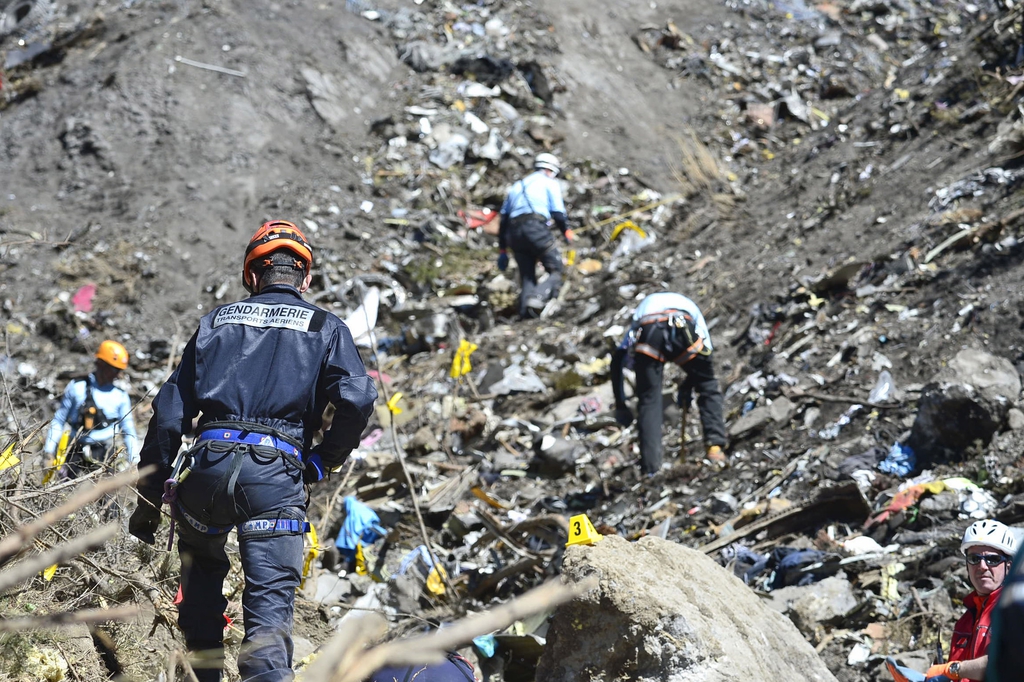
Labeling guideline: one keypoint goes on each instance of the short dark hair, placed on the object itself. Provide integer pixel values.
(280, 267)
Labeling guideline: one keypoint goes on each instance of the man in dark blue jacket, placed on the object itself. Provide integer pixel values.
(258, 374)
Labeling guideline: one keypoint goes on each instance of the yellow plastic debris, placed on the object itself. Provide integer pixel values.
(482, 495)
(461, 364)
(890, 585)
(582, 531)
(361, 560)
(393, 403)
(627, 225)
(49, 573)
(59, 458)
(435, 581)
(902, 94)
(7, 458)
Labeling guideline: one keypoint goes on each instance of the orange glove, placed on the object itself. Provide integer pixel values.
(942, 669)
(569, 235)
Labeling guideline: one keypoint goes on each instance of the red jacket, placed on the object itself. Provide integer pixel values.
(972, 632)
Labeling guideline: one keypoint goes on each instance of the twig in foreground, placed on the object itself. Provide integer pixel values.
(56, 620)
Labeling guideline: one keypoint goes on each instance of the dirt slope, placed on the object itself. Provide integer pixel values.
(125, 166)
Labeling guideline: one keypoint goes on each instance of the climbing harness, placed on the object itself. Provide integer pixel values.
(237, 440)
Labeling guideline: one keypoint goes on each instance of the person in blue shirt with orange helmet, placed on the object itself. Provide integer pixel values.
(97, 411)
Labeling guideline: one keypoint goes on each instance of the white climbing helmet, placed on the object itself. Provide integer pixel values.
(545, 161)
(990, 534)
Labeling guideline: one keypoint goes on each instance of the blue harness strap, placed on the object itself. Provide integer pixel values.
(250, 526)
(250, 438)
(242, 442)
(273, 525)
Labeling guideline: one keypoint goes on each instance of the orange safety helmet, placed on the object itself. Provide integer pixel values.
(274, 236)
(113, 353)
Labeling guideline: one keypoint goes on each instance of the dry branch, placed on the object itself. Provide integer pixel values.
(13, 543)
(56, 620)
(337, 664)
(352, 636)
(851, 400)
(29, 567)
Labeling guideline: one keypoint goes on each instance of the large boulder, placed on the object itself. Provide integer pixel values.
(966, 402)
(667, 613)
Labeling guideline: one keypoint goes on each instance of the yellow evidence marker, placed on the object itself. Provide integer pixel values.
(582, 531)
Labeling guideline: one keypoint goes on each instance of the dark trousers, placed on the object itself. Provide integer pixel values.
(271, 561)
(700, 377)
(85, 457)
(532, 242)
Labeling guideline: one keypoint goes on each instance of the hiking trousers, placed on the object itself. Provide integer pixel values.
(83, 458)
(700, 377)
(268, 494)
(532, 241)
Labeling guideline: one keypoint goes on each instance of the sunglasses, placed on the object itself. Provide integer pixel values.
(990, 559)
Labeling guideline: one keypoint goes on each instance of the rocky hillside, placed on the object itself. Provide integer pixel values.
(836, 184)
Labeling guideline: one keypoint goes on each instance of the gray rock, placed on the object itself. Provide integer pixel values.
(967, 401)
(667, 613)
(811, 416)
(330, 589)
(518, 378)
(751, 421)
(1015, 419)
(423, 56)
(556, 457)
(600, 397)
(811, 605)
(302, 648)
(943, 502)
(782, 410)
(424, 440)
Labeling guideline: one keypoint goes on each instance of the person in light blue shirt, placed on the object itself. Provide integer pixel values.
(96, 411)
(668, 327)
(531, 203)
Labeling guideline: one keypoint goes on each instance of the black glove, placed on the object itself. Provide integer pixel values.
(503, 261)
(314, 471)
(145, 520)
(623, 415)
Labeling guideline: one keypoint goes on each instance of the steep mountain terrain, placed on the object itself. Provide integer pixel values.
(836, 184)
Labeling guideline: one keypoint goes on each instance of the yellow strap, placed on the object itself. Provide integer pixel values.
(311, 554)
